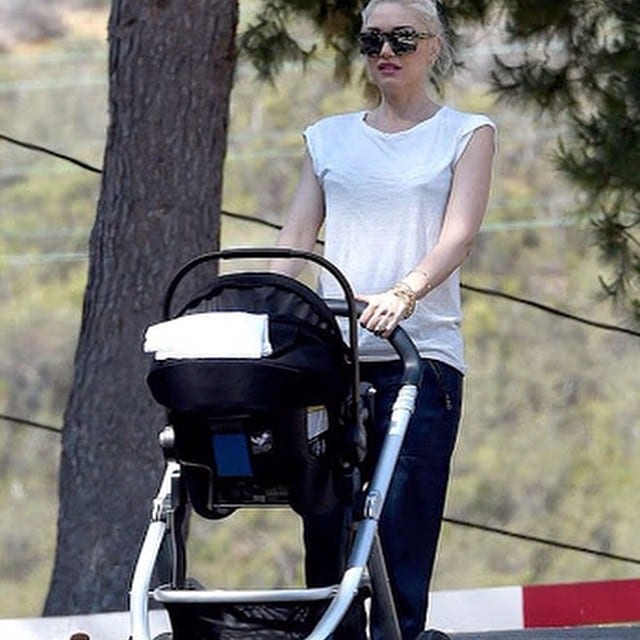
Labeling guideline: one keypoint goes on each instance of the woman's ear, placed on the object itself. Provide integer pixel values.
(434, 47)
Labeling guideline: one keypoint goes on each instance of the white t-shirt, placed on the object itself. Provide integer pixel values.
(385, 197)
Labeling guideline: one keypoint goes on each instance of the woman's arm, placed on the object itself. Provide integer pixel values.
(463, 216)
(303, 221)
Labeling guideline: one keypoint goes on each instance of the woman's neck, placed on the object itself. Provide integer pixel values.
(399, 114)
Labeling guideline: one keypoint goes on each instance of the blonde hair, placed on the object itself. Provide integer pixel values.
(427, 12)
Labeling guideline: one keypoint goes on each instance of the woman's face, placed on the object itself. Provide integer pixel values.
(407, 71)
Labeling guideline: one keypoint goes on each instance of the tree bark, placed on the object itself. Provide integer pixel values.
(171, 69)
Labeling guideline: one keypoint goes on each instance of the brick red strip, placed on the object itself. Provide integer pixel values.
(581, 604)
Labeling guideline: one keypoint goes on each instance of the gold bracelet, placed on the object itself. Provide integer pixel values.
(408, 295)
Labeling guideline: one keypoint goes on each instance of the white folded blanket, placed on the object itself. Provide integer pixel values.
(220, 334)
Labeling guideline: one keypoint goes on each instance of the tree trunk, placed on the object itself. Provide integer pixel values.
(171, 69)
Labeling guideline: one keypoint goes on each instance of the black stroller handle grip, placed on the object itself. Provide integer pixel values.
(399, 340)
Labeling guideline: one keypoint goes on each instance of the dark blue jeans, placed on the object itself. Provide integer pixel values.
(412, 517)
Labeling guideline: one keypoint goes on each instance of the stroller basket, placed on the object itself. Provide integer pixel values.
(245, 621)
(266, 615)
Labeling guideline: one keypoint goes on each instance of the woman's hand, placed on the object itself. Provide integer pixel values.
(384, 311)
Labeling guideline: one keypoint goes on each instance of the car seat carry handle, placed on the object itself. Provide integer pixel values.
(399, 340)
(254, 253)
(259, 253)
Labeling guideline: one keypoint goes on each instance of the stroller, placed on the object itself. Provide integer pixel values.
(282, 425)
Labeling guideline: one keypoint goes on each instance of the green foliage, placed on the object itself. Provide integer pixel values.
(268, 41)
(543, 442)
(582, 60)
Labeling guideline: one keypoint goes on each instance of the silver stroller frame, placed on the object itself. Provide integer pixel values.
(365, 563)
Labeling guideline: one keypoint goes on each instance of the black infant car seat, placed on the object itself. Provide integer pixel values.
(267, 430)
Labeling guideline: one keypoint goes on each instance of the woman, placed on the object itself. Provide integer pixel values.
(402, 190)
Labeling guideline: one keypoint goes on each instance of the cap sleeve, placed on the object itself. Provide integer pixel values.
(312, 142)
(473, 123)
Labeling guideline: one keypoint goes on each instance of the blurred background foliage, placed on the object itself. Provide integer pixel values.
(552, 411)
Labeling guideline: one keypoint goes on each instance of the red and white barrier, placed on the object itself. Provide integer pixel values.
(468, 610)
(536, 606)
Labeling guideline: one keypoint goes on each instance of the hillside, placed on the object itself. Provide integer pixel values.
(552, 415)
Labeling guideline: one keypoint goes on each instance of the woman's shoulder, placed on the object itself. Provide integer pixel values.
(321, 136)
(338, 121)
(464, 121)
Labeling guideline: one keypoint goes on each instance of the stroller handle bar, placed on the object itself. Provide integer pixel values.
(348, 307)
(399, 340)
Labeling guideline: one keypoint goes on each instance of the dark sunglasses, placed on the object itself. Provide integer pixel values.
(402, 40)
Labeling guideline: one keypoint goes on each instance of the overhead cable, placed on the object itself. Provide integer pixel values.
(30, 423)
(551, 310)
(55, 154)
(275, 226)
(453, 521)
(544, 541)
